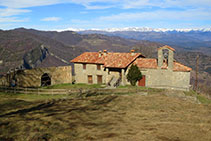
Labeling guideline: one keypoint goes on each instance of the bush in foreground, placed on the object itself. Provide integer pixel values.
(134, 74)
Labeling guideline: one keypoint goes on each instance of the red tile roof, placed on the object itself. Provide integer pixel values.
(181, 67)
(149, 63)
(111, 60)
(163, 47)
(89, 57)
(122, 60)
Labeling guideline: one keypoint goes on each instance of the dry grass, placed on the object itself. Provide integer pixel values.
(106, 117)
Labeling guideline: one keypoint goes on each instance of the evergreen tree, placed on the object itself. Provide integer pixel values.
(134, 74)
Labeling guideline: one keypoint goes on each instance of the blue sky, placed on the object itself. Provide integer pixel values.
(101, 14)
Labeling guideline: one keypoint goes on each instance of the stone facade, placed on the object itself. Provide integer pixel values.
(166, 77)
(163, 72)
(98, 67)
(81, 75)
(157, 78)
(33, 77)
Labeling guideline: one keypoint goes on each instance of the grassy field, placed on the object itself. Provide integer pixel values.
(161, 115)
(72, 86)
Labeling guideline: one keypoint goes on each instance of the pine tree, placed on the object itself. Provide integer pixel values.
(134, 74)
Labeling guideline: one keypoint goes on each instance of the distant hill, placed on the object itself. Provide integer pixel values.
(191, 40)
(31, 48)
(21, 48)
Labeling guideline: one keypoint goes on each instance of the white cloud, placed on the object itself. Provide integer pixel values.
(97, 7)
(186, 3)
(10, 12)
(194, 14)
(27, 3)
(7, 15)
(195, 9)
(159, 18)
(109, 3)
(11, 19)
(165, 3)
(48, 19)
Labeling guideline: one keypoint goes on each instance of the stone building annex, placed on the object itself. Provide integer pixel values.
(37, 77)
(112, 68)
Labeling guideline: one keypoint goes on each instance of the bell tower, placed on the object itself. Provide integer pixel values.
(166, 57)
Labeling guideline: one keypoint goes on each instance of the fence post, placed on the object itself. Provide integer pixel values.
(38, 91)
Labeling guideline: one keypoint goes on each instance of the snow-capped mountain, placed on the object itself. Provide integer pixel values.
(139, 29)
(190, 39)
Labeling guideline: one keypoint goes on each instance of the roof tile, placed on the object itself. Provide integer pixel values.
(149, 63)
(112, 60)
(166, 47)
(122, 60)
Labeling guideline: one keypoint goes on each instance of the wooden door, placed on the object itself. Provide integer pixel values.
(142, 81)
(90, 81)
(99, 79)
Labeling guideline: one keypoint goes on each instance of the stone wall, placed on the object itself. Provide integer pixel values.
(81, 75)
(3, 81)
(32, 77)
(164, 78)
(160, 78)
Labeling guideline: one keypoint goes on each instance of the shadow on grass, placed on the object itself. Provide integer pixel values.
(35, 108)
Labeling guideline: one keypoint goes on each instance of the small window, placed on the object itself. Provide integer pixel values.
(98, 67)
(84, 66)
(90, 81)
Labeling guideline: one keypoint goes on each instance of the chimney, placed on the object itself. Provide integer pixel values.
(100, 53)
(132, 52)
(105, 52)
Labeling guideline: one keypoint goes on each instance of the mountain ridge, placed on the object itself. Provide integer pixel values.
(190, 40)
(140, 29)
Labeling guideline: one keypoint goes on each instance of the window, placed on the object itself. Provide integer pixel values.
(99, 79)
(98, 67)
(84, 66)
(90, 79)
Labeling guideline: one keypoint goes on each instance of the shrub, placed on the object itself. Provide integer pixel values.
(134, 74)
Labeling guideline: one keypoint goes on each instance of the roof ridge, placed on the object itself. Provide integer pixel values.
(166, 46)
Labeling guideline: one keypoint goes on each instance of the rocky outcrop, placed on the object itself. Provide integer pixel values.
(35, 57)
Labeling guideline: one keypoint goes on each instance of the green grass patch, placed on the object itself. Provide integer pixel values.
(155, 90)
(190, 93)
(70, 86)
(132, 87)
(200, 97)
(203, 99)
